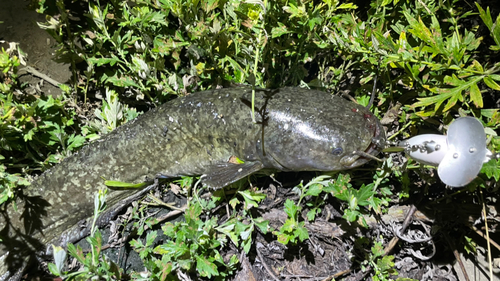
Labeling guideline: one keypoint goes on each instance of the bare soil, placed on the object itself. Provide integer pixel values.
(20, 25)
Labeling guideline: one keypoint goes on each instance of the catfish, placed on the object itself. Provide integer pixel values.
(295, 129)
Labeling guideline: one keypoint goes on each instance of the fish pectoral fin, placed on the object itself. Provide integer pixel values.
(227, 173)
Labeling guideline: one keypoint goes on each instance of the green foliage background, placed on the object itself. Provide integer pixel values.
(435, 61)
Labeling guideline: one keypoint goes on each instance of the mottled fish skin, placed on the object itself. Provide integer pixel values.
(296, 130)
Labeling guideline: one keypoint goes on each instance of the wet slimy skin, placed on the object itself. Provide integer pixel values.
(296, 130)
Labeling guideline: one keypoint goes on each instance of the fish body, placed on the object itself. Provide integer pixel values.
(200, 134)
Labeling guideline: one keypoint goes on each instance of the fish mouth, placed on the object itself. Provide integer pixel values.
(376, 146)
(378, 140)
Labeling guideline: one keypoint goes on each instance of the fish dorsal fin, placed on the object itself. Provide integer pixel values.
(223, 174)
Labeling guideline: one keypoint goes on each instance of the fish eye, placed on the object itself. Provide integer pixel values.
(337, 151)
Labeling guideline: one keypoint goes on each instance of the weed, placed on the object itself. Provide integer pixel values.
(34, 132)
(194, 246)
(340, 188)
(383, 265)
(96, 266)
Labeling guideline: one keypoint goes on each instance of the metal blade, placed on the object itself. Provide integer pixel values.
(466, 152)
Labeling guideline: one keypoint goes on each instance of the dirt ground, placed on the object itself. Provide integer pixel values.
(330, 251)
(20, 25)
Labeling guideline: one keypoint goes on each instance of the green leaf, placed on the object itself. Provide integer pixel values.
(377, 249)
(102, 61)
(475, 95)
(119, 185)
(491, 83)
(364, 193)
(470, 246)
(123, 82)
(252, 197)
(76, 252)
(385, 263)
(75, 141)
(375, 203)
(247, 233)
(279, 31)
(385, 43)
(205, 267)
(247, 244)
(485, 16)
(341, 188)
(453, 94)
(353, 202)
(171, 249)
(294, 10)
(301, 232)
(434, 38)
(477, 66)
(262, 224)
(283, 238)
(385, 2)
(234, 202)
(313, 22)
(496, 31)
(347, 6)
(492, 169)
(495, 77)
(314, 190)
(169, 229)
(53, 269)
(166, 268)
(488, 21)
(311, 215)
(228, 229)
(150, 238)
(289, 225)
(46, 104)
(65, 88)
(350, 215)
(291, 209)
(236, 67)
(137, 244)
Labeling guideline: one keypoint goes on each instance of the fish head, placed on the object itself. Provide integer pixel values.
(326, 140)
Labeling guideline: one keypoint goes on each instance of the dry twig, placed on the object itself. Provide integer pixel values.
(38, 74)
